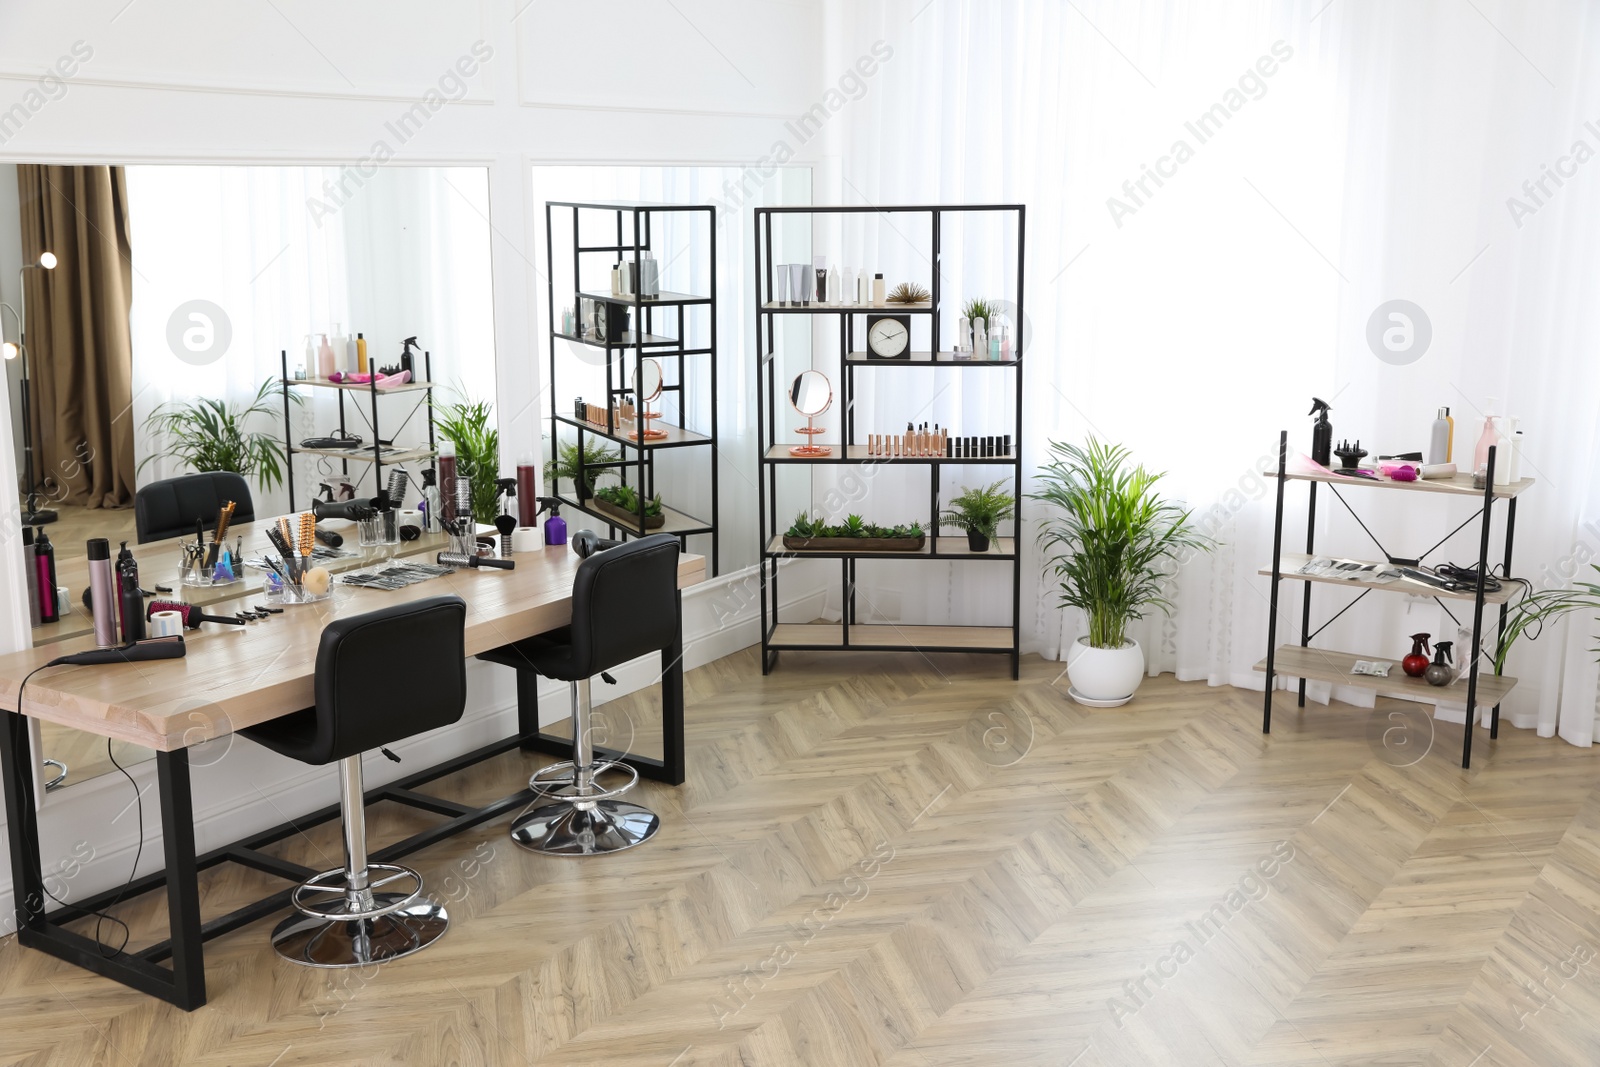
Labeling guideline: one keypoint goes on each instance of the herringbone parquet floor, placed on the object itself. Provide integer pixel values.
(914, 862)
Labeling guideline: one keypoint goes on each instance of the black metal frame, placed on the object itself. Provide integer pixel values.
(373, 392)
(1485, 516)
(642, 461)
(767, 432)
(183, 983)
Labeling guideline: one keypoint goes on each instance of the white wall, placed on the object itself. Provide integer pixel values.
(624, 81)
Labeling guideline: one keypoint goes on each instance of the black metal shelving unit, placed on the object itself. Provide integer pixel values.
(374, 457)
(1328, 665)
(670, 314)
(849, 634)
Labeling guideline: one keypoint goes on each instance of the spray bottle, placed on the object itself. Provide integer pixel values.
(1321, 433)
(506, 522)
(430, 503)
(555, 527)
(130, 601)
(406, 362)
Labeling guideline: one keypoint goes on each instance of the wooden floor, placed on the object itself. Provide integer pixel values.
(925, 864)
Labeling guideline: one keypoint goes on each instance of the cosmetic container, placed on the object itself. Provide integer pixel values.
(430, 504)
(833, 286)
(980, 339)
(877, 290)
(616, 280)
(1439, 440)
(527, 491)
(325, 364)
(847, 286)
(780, 282)
(819, 266)
(361, 353)
(44, 573)
(649, 277)
(1516, 449)
(447, 481)
(102, 592)
(797, 286)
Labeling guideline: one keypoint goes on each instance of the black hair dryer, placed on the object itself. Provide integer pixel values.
(586, 543)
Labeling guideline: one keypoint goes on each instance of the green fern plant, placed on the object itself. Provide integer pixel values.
(206, 434)
(980, 511)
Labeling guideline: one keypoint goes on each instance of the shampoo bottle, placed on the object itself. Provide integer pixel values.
(1439, 440)
(1480, 455)
(877, 290)
(1516, 452)
(361, 353)
(325, 363)
(352, 357)
(1450, 445)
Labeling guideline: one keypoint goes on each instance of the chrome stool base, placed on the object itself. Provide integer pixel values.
(61, 777)
(312, 941)
(564, 830)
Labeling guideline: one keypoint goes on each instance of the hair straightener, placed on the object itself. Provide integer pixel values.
(132, 652)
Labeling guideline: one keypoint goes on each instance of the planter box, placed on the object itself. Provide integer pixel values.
(854, 544)
(627, 518)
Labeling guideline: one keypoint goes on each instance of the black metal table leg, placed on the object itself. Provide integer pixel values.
(1511, 530)
(22, 823)
(1477, 610)
(527, 707)
(1277, 565)
(672, 760)
(183, 886)
(1305, 600)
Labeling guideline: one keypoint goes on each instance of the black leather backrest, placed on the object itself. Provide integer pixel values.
(169, 507)
(625, 604)
(390, 674)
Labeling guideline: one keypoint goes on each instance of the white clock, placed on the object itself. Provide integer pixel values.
(888, 336)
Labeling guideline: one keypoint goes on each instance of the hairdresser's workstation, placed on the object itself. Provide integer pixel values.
(325, 633)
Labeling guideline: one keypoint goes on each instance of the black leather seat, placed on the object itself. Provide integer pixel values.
(169, 508)
(624, 605)
(381, 677)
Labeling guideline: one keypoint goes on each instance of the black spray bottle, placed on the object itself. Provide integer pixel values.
(130, 601)
(1321, 433)
(44, 573)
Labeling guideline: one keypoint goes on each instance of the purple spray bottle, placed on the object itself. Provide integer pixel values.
(555, 527)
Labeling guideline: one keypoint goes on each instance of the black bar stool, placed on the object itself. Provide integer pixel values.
(624, 605)
(381, 677)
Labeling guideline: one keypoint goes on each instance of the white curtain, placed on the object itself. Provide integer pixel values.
(288, 255)
(1219, 198)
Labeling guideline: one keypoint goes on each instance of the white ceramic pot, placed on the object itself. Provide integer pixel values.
(1104, 677)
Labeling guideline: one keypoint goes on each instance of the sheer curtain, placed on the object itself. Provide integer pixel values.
(407, 254)
(1218, 202)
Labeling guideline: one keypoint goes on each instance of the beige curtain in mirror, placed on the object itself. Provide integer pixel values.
(80, 356)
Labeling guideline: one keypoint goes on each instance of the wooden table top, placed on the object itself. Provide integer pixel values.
(237, 676)
(159, 563)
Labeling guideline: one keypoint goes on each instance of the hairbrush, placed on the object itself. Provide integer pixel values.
(192, 615)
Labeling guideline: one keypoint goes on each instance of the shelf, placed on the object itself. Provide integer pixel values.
(1324, 665)
(821, 308)
(676, 437)
(1291, 562)
(924, 359)
(677, 524)
(948, 548)
(892, 638)
(628, 340)
(364, 455)
(362, 387)
(1460, 485)
(859, 454)
(666, 299)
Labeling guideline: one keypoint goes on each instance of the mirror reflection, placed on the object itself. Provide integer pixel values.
(168, 326)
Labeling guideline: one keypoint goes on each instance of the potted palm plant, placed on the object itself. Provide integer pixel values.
(979, 512)
(469, 425)
(212, 435)
(1111, 541)
(1543, 606)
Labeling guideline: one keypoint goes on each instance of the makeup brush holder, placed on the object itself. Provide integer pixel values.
(297, 594)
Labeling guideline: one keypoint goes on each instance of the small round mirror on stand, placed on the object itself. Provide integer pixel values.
(647, 384)
(811, 394)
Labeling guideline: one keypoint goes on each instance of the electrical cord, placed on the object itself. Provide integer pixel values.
(101, 917)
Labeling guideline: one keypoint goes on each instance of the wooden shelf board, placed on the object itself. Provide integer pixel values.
(1460, 485)
(1290, 562)
(676, 521)
(926, 359)
(364, 455)
(817, 307)
(361, 387)
(892, 637)
(948, 548)
(665, 299)
(629, 339)
(676, 435)
(1326, 665)
(859, 454)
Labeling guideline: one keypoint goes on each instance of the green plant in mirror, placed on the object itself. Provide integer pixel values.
(981, 510)
(1528, 618)
(1109, 537)
(213, 435)
(596, 460)
(627, 498)
(469, 425)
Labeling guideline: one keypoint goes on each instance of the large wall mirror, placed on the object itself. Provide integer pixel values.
(178, 286)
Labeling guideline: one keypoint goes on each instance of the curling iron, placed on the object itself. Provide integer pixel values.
(343, 509)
